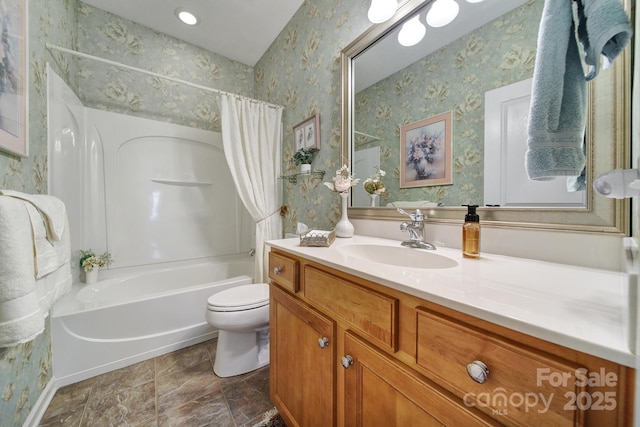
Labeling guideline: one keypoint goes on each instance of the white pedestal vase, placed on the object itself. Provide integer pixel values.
(344, 228)
(91, 277)
(374, 199)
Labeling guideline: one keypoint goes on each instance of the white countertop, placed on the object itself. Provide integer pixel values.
(581, 308)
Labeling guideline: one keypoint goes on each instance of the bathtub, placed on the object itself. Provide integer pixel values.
(124, 320)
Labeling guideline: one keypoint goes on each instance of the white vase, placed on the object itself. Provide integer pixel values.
(91, 277)
(374, 199)
(305, 169)
(344, 228)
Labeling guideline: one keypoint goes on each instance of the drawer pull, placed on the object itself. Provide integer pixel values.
(277, 270)
(478, 371)
(323, 342)
(346, 361)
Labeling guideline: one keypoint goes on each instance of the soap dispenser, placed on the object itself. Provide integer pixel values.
(471, 233)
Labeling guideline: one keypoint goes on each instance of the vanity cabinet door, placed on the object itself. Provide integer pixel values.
(302, 369)
(380, 391)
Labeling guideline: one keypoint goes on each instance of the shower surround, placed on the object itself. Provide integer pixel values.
(155, 195)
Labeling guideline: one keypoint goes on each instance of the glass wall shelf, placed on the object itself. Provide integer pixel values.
(293, 178)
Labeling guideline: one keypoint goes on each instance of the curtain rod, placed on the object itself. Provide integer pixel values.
(151, 73)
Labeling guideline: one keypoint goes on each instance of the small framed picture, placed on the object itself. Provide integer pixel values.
(306, 134)
(14, 76)
(426, 152)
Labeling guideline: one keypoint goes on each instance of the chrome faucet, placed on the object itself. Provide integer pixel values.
(416, 230)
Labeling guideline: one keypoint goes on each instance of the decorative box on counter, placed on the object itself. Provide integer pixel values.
(317, 238)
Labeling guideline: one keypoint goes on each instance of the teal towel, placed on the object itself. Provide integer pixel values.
(557, 113)
(603, 30)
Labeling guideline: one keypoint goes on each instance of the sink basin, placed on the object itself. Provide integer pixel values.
(398, 256)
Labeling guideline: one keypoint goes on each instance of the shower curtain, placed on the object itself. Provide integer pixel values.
(251, 139)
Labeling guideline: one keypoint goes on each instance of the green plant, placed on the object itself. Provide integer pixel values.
(374, 185)
(89, 260)
(303, 157)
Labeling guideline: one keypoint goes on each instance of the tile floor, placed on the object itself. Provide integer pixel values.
(176, 389)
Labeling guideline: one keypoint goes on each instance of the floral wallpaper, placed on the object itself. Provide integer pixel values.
(26, 369)
(454, 78)
(112, 88)
(301, 71)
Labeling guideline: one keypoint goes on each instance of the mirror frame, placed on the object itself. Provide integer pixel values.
(613, 123)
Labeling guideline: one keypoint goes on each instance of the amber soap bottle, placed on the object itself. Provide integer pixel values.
(471, 233)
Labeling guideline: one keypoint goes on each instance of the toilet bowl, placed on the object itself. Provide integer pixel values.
(241, 315)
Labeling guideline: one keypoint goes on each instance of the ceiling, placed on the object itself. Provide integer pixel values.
(386, 56)
(239, 29)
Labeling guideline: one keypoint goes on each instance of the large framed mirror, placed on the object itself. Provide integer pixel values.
(470, 69)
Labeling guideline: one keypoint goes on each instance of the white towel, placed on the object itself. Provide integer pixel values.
(51, 208)
(49, 256)
(413, 204)
(25, 301)
(20, 317)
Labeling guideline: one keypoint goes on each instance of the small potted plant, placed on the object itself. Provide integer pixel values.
(92, 263)
(303, 158)
(374, 185)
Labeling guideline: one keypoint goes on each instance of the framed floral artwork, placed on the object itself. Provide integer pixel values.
(425, 148)
(306, 134)
(14, 76)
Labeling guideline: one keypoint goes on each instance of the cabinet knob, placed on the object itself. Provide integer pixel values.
(346, 361)
(277, 270)
(323, 342)
(478, 371)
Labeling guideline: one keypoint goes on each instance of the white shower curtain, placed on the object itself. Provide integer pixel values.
(251, 139)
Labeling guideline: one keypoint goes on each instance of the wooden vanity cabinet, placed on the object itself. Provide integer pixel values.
(302, 373)
(349, 352)
(379, 391)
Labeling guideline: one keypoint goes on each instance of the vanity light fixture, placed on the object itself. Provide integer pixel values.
(381, 10)
(442, 12)
(412, 32)
(185, 16)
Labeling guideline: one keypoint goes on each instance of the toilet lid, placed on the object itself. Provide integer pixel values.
(243, 297)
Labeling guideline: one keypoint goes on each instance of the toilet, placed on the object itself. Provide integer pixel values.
(241, 315)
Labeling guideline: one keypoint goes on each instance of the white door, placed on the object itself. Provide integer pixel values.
(505, 143)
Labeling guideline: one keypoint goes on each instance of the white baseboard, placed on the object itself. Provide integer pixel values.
(41, 404)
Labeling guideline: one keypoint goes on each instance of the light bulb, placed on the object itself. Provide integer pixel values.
(381, 10)
(412, 32)
(186, 17)
(442, 12)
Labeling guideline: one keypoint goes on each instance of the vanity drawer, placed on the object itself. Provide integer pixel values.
(284, 270)
(373, 314)
(523, 387)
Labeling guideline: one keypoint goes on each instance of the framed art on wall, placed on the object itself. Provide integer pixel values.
(425, 148)
(14, 76)
(306, 134)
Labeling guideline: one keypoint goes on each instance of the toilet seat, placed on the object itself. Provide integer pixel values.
(240, 298)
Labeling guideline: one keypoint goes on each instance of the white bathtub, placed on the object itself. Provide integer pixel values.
(124, 320)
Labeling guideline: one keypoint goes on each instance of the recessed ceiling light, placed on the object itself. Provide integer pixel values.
(186, 16)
